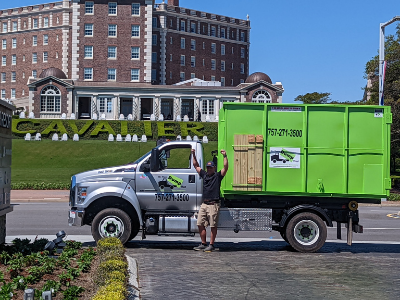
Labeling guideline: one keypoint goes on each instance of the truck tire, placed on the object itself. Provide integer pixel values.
(112, 222)
(306, 232)
(283, 235)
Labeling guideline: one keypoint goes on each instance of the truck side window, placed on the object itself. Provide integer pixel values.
(176, 158)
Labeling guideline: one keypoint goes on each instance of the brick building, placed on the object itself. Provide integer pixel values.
(112, 57)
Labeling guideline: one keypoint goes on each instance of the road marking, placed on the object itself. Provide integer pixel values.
(395, 216)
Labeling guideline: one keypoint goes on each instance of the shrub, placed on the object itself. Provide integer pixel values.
(115, 291)
(394, 197)
(110, 247)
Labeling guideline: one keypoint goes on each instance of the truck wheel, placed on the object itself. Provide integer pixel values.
(306, 232)
(112, 222)
(274, 161)
(283, 235)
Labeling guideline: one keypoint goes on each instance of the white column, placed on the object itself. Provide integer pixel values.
(94, 107)
(51, 19)
(116, 106)
(148, 40)
(196, 113)
(40, 25)
(31, 102)
(135, 108)
(74, 41)
(69, 104)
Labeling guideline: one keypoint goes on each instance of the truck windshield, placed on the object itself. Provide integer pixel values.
(141, 158)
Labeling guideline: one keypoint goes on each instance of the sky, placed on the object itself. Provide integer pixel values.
(309, 45)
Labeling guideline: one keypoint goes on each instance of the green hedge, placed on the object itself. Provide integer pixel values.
(100, 129)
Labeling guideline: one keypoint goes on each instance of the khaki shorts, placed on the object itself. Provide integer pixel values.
(208, 215)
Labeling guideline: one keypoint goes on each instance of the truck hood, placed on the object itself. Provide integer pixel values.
(111, 173)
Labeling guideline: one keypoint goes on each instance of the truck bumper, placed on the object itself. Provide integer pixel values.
(75, 217)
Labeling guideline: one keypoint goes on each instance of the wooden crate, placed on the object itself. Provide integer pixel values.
(248, 162)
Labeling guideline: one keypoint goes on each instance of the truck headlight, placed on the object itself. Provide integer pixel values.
(82, 193)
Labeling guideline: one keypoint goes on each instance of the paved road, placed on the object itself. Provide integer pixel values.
(253, 265)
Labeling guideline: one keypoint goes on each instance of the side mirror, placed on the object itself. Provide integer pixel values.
(145, 167)
(155, 160)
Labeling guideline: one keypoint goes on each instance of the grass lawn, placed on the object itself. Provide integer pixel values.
(55, 162)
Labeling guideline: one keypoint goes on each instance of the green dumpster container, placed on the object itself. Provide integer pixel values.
(307, 150)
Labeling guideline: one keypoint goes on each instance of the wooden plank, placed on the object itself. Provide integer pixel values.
(259, 161)
(251, 179)
(236, 164)
(243, 158)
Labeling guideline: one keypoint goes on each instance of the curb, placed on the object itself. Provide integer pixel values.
(133, 281)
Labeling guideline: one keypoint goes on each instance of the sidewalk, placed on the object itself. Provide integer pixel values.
(39, 195)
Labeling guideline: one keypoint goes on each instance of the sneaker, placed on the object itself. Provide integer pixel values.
(200, 247)
(210, 248)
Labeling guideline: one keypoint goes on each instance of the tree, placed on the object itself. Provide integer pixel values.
(391, 88)
(314, 98)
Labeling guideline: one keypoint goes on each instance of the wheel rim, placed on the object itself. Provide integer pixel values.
(306, 232)
(111, 226)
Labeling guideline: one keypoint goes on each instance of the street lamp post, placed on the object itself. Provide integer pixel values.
(382, 64)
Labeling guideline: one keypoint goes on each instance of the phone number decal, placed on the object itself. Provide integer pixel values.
(285, 132)
(172, 197)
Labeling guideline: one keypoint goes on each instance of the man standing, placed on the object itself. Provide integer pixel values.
(209, 210)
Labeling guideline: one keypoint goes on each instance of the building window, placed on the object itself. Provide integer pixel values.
(3, 77)
(3, 94)
(56, 54)
(192, 75)
(170, 57)
(50, 99)
(222, 65)
(242, 52)
(193, 44)
(222, 49)
(57, 37)
(45, 39)
(12, 93)
(112, 74)
(88, 29)
(4, 27)
(45, 56)
(241, 68)
(14, 59)
(112, 30)
(15, 26)
(23, 92)
(213, 64)
(193, 61)
(34, 40)
(182, 60)
(23, 74)
(154, 57)
(135, 51)
(34, 73)
(171, 40)
(153, 74)
(135, 30)
(46, 22)
(241, 80)
(204, 45)
(193, 27)
(88, 74)
(170, 75)
(231, 82)
(4, 60)
(112, 52)
(261, 96)
(212, 78)
(105, 104)
(222, 81)
(223, 33)
(136, 9)
(4, 44)
(35, 23)
(207, 107)
(183, 42)
(154, 39)
(134, 74)
(88, 51)
(233, 51)
(182, 76)
(34, 58)
(89, 7)
(242, 36)
(213, 48)
(232, 66)
(154, 22)
(213, 32)
(112, 8)
(183, 25)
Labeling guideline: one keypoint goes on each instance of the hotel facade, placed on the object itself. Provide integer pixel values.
(122, 58)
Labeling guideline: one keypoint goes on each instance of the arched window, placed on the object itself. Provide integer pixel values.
(50, 99)
(261, 96)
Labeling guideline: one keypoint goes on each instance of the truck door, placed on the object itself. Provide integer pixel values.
(172, 188)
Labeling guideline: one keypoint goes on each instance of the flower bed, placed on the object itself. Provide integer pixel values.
(76, 273)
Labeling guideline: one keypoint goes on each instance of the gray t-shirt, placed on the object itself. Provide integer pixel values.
(211, 185)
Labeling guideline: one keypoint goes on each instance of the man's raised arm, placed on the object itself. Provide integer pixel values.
(225, 168)
(195, 162)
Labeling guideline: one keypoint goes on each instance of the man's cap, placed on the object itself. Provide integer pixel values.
(210, 164)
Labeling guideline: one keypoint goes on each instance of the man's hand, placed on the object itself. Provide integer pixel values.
(225, 168)
(193, 151)
(223, 152)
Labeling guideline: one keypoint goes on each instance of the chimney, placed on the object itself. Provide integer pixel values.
(173, 2)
